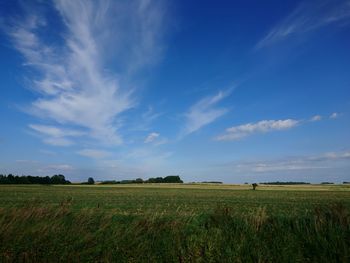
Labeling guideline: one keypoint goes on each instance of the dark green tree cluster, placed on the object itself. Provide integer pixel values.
(28, 179)
(91, 180)
(254, 185)
(168, 179)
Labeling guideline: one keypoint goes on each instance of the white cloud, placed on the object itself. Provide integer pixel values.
(54, 169)
(47, 152)
(334, 115)
(26, 161)
(204, 112)
(307, 17)
(58, 141)
(54, 131)
(316, 118)
(321, 161)
(77, 86)
(330, 156)
(151, 137)
(56, 136)
(238, 132)
(93, 153)
(62, 167)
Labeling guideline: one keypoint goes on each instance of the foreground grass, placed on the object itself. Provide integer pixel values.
(133, 224)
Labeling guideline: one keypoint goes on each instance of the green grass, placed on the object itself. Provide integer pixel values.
(174, 223)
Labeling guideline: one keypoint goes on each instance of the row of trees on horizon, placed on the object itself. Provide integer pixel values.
(28, 179)
(60, 179)
(166, 179)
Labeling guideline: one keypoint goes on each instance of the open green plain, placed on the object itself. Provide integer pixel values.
(174, 223)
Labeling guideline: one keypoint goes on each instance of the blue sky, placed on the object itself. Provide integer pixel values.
(232, 91)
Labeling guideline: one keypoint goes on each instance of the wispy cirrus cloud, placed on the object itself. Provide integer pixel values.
(204, 112)
(56, 136)
(35, 167)
(307, 17)
(316, 118)
(144, 121)
(58, 167)
(94, 153)
(334, 115)
(155, 139)
(297, 163)
(84, 77)
(151, 137)
(264, 126)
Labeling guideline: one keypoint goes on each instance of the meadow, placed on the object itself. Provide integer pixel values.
(174, 223)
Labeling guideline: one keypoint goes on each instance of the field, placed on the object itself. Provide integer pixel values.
(174, 223)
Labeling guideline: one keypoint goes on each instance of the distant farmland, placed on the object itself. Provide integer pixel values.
(174, 223)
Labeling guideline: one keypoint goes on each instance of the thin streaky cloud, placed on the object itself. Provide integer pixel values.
(58, 141)
(155, 139)
(151, 137)
(307, 17)
(94, 153)
(54, 131)
(316, 118)
(296, 163)
(56, 136)
(54, 168)
(334, 115)
(145, 120)
(204, 112)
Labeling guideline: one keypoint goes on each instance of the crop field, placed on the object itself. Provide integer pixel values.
(174, 223)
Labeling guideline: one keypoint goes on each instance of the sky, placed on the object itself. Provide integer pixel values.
(231, 91)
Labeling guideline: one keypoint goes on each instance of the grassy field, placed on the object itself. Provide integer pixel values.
(174, 223)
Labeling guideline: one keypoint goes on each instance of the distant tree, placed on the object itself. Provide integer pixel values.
(138, 181)
(58, 179)
(172, 179)
(11, 179)
(127, 181)
(91, 180)
(110, 182)
(155, 180)
(254, 185)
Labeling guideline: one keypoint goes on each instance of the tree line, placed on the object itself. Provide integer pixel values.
(284, 183)
(60, 179)
(166, 179)
(292, 183)
(28, 179)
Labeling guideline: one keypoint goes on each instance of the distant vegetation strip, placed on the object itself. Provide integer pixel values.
(284, 183)
(60, 179)
(166, 179)
(28, 179)
(295, 183)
